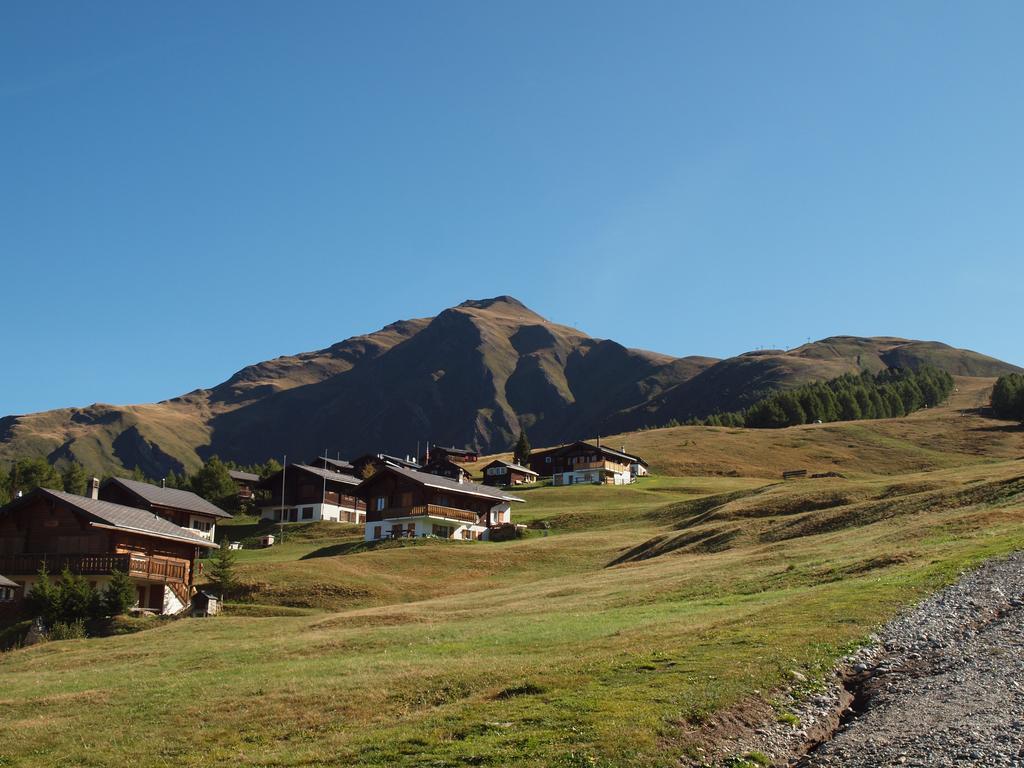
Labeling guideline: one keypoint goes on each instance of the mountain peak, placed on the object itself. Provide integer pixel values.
(508, 301)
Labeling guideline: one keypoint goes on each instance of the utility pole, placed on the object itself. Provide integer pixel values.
(284, 472)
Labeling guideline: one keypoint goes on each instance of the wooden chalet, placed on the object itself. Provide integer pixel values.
(583, 462)
(10, 598)
(311, 494)
(543, 461)
(506, 473)
(445, 467)
(93, 538)
(405, 503)
(462, 455)
(246, 482)
(183, 508)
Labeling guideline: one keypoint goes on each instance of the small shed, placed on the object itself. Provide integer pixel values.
(205, 604)
(267, 541)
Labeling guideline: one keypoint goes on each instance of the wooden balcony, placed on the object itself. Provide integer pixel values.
(137, 566)
(429, 510)
(610, 466)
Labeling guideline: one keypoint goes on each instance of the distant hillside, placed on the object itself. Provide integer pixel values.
(473, 375)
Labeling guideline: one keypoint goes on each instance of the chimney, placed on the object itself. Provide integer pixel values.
(94, 488)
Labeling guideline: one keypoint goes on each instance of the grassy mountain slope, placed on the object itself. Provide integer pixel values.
(649, 617)
(474, 375)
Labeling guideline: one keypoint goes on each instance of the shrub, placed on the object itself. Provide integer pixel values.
(67, 630)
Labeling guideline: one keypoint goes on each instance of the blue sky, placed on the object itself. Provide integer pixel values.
(187, 188)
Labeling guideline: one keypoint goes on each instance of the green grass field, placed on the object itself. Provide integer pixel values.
(645, 613)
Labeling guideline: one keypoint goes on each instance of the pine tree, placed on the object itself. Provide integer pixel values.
(74, 479)
(44, 601)
(119, 596)
(521, 452)
(29, 474)
(214, 484)
(222, 570)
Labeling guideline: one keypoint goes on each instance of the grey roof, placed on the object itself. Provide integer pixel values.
(109, 514)
(447, 484)
(336, 463)
(512, 465)
(237, 474)
(328, 474)
(5, 582)
(170, 497)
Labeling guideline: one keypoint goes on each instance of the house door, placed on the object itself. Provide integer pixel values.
(396, 531)
(156, 597)
(140, 594)
(293, 516)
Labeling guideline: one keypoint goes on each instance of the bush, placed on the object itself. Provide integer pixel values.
(64, 630)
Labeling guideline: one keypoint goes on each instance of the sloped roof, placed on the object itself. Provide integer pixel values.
(169, 497)
(328, 474)
(107, 514)
(5, 582)
(336, 463)
(249, 477)
(604, 449)
(447, 484)
(511, 465)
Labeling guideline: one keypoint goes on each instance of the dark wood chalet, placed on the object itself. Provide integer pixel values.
(406, 503)
(543, 461)
(246, 483)
(464, 455)
(445, 467)
(500, 472)
(94, 538)
(311, 494)
(583, 462)
(182, 508)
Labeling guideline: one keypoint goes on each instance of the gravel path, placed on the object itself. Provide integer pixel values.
(944, 684)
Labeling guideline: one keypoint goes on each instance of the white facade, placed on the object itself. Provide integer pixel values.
(308, 513)
(593, 476)
(420, 526)
(638, 469)
(202, 526)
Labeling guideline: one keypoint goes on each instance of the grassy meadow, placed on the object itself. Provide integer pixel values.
(642, 617)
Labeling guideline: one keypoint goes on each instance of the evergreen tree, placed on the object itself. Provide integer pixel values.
(214, 484)
(521, 452)
(28, 474)
(44, 599)
(79, 600)
(119, 596)
(74, 479)
(222, 570)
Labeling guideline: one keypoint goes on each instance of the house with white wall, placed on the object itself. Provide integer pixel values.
(405, 503)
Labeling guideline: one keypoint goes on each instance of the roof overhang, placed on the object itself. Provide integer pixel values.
(164, 536)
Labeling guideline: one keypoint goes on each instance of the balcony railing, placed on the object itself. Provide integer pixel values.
(612, 467)
(430, 510)
(139, 566)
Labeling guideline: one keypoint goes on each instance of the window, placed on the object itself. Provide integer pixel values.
(202, 525)
(376, 531)
(442, 531)
(547, 459)
(380, 503)
(307, 513)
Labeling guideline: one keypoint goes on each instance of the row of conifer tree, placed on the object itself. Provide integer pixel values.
(888, 394)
